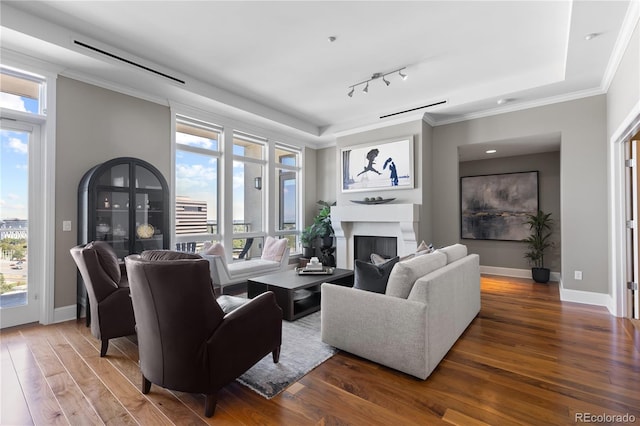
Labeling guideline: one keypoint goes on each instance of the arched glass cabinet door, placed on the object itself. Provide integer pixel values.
(124, 201)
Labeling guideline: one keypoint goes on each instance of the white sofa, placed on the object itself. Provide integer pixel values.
(429, 302)
(223, 274)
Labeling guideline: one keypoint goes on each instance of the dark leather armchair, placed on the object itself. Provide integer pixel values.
(110, 305)
(185, 340)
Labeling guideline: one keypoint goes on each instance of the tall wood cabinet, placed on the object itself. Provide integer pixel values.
(124, 202)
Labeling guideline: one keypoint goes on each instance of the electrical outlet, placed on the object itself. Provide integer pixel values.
(66, 225)
(577, 275)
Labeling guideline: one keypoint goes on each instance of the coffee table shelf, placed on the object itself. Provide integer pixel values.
(285, 285)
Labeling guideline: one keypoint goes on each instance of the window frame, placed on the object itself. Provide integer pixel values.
(214, 153)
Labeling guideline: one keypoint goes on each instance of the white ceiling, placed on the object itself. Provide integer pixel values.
(272, 59)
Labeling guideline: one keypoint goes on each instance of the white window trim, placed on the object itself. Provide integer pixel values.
(43, 200)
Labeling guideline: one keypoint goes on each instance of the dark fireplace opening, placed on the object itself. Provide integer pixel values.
(364, 245)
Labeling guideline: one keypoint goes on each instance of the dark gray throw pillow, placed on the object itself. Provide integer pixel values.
(370, 277)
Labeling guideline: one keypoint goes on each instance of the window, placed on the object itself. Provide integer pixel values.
(287, 172)
(197, 176)
(235, 188)
(248, 195)
(23, 179)
(22, 91)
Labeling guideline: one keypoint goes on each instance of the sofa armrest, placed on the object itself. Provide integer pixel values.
(385, 329)
(453, 295)
(218, 269)
(284, 262)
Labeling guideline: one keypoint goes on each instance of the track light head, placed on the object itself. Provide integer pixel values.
(351, 92)
(387, 82)
(366, 88)
(402, 76)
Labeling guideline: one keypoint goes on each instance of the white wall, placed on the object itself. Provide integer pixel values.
(624, 92)
(583, 176)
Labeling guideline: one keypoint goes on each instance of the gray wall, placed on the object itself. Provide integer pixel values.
(95, 125)
(510, 254)
(583, 177)
(327, 176)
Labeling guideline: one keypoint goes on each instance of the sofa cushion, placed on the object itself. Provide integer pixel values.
(107, 258)
(454, 252)
(251, 267)
(373, 277)
(152, 255)
(216, 249)
(405, 273)
(274, 248)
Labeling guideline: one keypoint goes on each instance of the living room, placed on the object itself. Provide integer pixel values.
(96, 120)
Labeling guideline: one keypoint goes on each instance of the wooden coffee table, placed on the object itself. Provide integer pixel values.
(297, 295)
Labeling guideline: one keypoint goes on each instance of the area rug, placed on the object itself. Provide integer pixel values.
(301, 351)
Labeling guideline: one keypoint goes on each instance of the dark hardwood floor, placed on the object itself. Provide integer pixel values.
(526, 359)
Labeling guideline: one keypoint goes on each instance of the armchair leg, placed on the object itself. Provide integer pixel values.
(276, 355)
(146, 385)
(104, 347)
(210, 404)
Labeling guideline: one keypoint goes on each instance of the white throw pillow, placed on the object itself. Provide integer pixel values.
(274, 248)
(216, 249)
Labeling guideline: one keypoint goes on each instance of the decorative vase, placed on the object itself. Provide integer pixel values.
(540, 275)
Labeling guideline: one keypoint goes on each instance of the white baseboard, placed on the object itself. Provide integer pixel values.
(65, 313)
(587, 298)
(513, 272)
(566, 295)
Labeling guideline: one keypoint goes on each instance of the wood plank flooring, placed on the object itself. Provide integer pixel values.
(527, 359)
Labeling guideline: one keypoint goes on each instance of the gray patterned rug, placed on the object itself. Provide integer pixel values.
(301, 351)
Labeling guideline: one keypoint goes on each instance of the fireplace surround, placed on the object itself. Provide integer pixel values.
(389, 220)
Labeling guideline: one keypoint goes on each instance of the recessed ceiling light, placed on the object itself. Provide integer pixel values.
(331, 39)
(491, 151)
(591, 36)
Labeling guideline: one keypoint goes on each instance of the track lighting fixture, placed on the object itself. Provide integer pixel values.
(375, 77)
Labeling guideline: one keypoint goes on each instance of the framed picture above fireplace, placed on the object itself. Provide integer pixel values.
(378, 166)
(494, 207)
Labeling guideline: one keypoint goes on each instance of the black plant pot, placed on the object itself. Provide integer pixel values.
(308, 252)
(540, 275)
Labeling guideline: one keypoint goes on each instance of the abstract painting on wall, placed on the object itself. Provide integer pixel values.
(494, 207)
(377, 166)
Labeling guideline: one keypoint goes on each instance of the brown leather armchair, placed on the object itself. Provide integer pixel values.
(110, 305)
(185, 340)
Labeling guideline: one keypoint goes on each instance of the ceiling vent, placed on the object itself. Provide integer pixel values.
(127, 61)
(413, 109)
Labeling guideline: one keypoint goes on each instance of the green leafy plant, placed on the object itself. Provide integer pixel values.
(308, 236)
(322, 221)
(540, 225)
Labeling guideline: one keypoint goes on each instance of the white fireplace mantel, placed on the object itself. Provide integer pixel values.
(389, 220)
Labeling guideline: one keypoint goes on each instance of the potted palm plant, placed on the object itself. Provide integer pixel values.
(538, 241)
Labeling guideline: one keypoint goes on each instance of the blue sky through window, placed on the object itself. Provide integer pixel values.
(14, 161)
